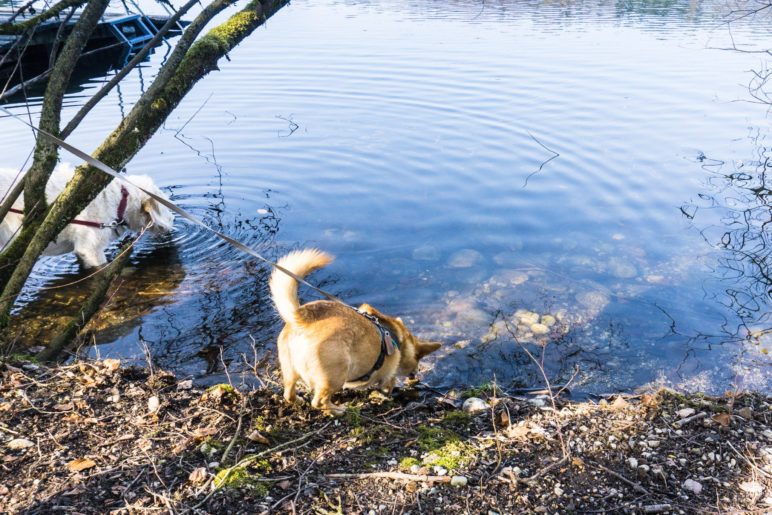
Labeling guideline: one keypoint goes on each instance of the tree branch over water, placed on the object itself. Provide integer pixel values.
(189, 63)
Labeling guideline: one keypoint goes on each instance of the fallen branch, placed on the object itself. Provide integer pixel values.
(753, 466)
(543, 471)
(393, 475)
(636, 486)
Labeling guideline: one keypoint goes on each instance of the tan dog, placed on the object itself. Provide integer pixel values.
(330, 346)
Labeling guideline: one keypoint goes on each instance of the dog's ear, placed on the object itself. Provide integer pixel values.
(367, 308)
(425, 348)
(153, 210)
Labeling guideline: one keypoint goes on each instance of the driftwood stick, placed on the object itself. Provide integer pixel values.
(686, 420)
(393, 475)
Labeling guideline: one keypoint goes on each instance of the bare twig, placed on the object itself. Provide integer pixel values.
(684, 421)
(636, 486)
(393, 475)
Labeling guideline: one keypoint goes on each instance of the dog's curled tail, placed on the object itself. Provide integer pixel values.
(284, 289)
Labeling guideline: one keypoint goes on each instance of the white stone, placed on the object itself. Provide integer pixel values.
(440, 471)
(185, 385)
(686, 412)
(751, 487)
(692, 486)
(632, 462)
(475, 405)
(153, 404)
(458, 481)
(19, 443)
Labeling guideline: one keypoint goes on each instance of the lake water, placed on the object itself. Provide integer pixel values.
(477, 168)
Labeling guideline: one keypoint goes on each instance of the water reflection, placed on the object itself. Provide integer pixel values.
(734, 215)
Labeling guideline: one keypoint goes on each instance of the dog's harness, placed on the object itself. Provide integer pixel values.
(388, 344)
(117, 222)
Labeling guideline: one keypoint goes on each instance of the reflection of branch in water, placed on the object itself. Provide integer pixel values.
(544, 163)
(292, 126)
(740, 229)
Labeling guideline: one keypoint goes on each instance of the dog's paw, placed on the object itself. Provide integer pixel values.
(334, 410)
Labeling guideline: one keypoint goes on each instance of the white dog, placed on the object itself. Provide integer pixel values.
(118, 208)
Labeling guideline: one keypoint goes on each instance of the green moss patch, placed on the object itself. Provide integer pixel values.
(406, 463)
(458, 418)
(244, 476)
(444, 448)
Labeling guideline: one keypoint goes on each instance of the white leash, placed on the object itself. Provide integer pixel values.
(109, 171)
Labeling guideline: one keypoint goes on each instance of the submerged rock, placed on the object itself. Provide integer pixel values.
(621, 268)
(548, 320)
(526, 317)
(465, 258)
(594, 301)
(426, 253)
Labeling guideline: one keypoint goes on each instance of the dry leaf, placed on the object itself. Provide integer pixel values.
(722, 419)
(517, 431)
(80, 464)
(19, 443)
(201, 433)
(198, 476)
(577, 462)
(255, 436)
(649, 401)
(284, 485)
(66, 406)
(111, 364)
(619, 403)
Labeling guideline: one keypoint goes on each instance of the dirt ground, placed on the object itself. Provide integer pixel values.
(97, 437)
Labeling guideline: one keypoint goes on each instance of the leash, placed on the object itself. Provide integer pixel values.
(184, 214)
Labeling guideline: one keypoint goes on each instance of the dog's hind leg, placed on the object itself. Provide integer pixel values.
(289, 376)
(91, 257)
(323, 400)
(290, 380)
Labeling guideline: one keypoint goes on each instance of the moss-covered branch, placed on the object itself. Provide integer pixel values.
(19, 28)
(129, 137)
